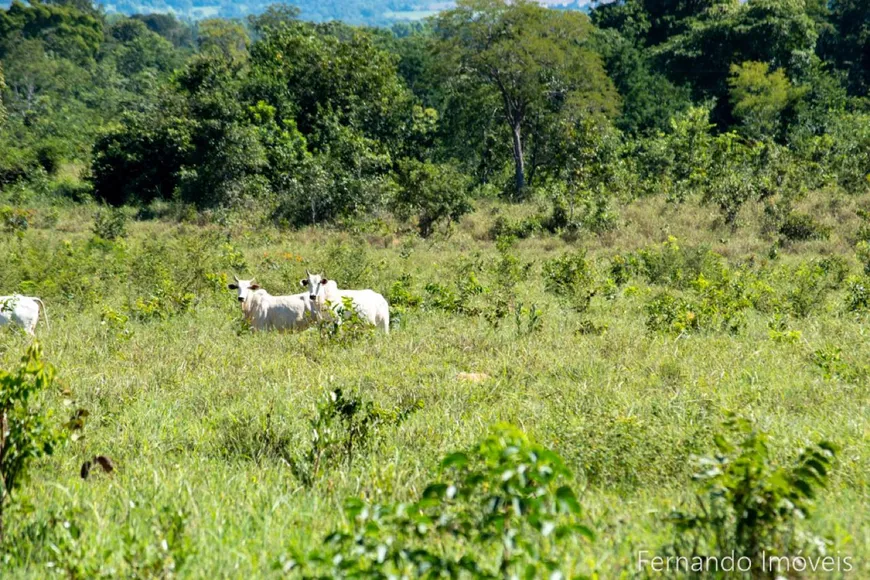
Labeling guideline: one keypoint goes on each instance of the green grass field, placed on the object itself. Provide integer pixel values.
(202, 418)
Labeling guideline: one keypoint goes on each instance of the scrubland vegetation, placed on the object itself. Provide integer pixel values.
(627, 259)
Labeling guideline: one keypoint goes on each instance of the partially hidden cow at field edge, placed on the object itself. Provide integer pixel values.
(371, 306)
(21, 310)
(266, 312)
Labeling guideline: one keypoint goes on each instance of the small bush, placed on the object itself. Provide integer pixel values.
(110, 223)
(15, 220)
(434, 193)
(502, 509)
(809, 288)
(800, 227)
(401, 297)
(25, 432)
(570, 277)
(748, 505)
(345, 326)
(343, 427)
(858, 294)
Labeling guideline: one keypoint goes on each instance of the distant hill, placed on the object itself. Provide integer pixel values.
(371, 12)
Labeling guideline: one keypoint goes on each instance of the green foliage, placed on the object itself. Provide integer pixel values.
(401, 296)
(110, 223)
(15, 220)
(799, 227)
(434, 193)
(500, 509)
(25, 430)
(571, 277)
(345, 326)
(224, 37)
(670, 263)
(66, 30)
(747, 504)
(759, 97)
(858, 293)
(521, 54)
(344, 427)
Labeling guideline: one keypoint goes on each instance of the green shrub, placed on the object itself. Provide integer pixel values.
(401, 296)
(800, 227)
(15, 220)
(671, 263)
(858, 293)
(714, 305)
(434, 193)
(343, 427)
(810, 286)
(501, 509)
(25, 431)
(110, 223)
(748, 505)
(570, 277)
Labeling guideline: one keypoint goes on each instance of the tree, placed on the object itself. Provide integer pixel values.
(226, 37)
(777, 32)
(433, 193)
(274, 16)
(759, 97)
(537, 61)
(847, 43)
(169, 27)
(65, 30)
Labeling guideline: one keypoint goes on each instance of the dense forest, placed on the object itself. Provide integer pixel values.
(718, 101)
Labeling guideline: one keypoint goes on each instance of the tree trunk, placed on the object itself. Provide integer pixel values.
(519, 162)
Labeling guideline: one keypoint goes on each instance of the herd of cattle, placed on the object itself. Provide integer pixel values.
(322, 300)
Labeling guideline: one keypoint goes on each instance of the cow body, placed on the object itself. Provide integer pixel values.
(369, 305)
(21, 310)
(266, 312)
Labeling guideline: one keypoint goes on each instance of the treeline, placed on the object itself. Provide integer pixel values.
(718, 101)
(368, 12)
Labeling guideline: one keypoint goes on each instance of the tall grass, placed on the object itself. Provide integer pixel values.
(203, 418)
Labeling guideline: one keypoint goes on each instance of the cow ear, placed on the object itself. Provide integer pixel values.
(233, 286)
(303, 282)
(324, 280)
(255, 286)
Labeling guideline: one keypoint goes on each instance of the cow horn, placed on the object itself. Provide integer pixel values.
(307, 272)
(236, 278)
(253, 280)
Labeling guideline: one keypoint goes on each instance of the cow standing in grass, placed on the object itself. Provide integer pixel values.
(266, 312)
(324, 294)
(21, 310)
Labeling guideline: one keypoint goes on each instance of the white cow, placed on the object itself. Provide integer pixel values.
(266, 312)
(370, 305)
(21, 310)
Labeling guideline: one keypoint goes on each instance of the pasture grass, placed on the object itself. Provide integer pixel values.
(203, 418)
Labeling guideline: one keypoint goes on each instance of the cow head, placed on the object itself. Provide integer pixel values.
(315, 284)
(244, 287)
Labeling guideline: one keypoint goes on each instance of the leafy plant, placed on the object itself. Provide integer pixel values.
(433, 192)
(570, 277)
(15, 220)
(801, 227)
(344, 325)
(746, 504)
(501, 509)
(401, 296)
(110, 223)
(25, 431)
(343, 427)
